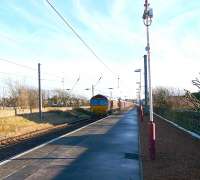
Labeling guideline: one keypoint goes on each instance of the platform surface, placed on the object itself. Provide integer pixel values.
(104, 150)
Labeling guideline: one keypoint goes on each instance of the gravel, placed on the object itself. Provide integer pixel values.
(177, 153)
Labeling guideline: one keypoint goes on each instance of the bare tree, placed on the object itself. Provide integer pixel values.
(32, 98)
(59, 98)
(21, 96)
(160, 97)
(192, 100)
(196, 83)
(13, 89)
(168, 98)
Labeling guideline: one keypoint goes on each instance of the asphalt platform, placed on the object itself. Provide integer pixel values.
(104, 150)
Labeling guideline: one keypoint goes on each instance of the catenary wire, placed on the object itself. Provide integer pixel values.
(17, 64)
(79, 37)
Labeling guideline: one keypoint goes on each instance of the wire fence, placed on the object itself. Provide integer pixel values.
(173, 105)
(189, 120)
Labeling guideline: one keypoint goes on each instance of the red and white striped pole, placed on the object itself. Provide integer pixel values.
(147, 19)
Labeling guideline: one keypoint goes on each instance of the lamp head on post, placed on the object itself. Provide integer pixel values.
(137, 70)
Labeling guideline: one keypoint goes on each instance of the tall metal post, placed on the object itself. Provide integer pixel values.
(110, 95)
(149, 75)
(145, 82)
(39, 92)
(92, 90)
(140, 87)
(147, 19)
(140, 107)
(63, 83)
(118, 82)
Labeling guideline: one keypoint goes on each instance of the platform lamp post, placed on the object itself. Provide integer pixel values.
(139, 83)
(138, 98)
(140, 109)
(111, 92)
(147, 19)
(111, 102)
(139, 91)
(138, 94)
(145, 85)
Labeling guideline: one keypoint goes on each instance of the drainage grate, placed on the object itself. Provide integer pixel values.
(131, 156)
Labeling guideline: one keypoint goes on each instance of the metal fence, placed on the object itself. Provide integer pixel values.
(189, 120)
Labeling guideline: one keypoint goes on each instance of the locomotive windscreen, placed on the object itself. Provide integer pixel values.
(99, 102)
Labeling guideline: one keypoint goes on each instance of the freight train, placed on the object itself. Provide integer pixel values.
(101, 105)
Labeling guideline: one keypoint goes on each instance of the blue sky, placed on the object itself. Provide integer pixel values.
(30, 32)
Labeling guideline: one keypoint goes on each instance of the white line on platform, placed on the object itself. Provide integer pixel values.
(48, 142)
(195, 135)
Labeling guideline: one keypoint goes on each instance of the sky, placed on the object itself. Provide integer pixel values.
(31, 33)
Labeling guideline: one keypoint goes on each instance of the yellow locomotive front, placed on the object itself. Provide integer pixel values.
(99, 104)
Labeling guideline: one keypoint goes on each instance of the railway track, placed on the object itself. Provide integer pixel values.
(12, 146)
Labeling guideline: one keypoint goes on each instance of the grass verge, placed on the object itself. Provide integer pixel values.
(25, 123)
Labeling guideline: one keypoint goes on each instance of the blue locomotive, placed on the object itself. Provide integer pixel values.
(99, 104)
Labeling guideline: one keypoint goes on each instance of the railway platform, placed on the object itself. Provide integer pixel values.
(104, 150)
